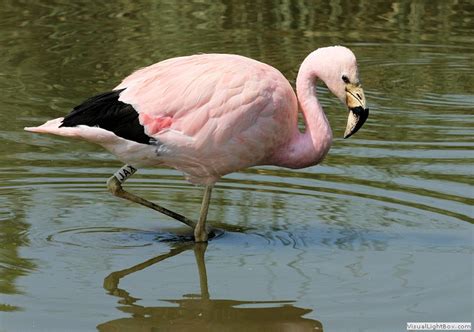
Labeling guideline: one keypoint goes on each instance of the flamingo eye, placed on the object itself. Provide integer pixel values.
(345, 79)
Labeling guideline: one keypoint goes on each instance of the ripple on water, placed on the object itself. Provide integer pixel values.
(253, 202)
(102, 237)
(118, 238)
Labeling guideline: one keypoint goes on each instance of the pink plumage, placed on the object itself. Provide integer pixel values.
(218, 113)
(212, 114)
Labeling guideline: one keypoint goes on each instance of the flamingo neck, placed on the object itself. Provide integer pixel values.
(311, 146)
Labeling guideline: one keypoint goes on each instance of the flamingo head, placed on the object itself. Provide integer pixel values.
(337, 68)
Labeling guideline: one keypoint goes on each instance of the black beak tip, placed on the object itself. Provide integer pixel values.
(362, 114)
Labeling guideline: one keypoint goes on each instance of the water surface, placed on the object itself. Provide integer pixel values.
(378, 235)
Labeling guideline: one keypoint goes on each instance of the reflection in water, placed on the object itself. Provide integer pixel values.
(13, 232)
(198, 311)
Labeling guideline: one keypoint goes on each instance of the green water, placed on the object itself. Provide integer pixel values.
(378, 235)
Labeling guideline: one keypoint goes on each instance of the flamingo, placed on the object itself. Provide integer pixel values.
(209, 115)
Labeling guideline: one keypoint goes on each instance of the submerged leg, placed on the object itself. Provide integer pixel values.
(114, 184)
(200, 231)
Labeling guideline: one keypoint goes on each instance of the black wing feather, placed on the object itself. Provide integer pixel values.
(107, 112)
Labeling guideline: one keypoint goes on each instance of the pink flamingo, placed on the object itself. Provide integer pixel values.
(209, 115)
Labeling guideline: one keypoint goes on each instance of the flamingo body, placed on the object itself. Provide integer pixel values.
(212, 114)
(208, 115)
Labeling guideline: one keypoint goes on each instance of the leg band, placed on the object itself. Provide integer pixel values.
(124, 173)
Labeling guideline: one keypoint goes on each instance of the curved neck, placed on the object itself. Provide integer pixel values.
(310, 147)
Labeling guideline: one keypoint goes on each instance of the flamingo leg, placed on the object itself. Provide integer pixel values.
(200, 231)
(114, 184)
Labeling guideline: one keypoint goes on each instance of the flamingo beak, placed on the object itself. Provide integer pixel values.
(358, 112)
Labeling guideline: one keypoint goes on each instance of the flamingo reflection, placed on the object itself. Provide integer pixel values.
(198, 312)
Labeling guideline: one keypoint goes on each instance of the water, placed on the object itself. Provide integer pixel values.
(378, 235)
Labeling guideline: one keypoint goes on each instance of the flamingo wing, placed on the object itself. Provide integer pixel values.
(185, 93)
(107, 112)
